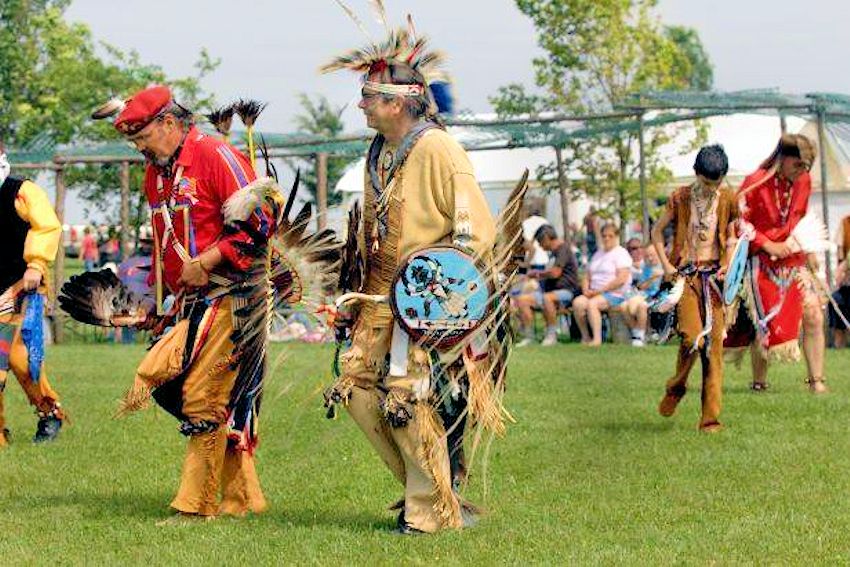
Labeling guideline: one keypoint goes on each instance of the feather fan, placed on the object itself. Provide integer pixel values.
(810, 235)
(100, 298)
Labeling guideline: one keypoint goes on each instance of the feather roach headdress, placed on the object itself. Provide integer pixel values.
(402, 47)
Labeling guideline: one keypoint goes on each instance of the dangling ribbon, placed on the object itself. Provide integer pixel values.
(32, 333)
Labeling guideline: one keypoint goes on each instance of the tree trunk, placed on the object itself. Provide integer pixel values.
(125, 210)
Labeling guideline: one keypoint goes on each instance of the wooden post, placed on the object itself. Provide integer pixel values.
(322, 189)
(59, 265)
(125, 209)
(783, 124)
(563, 190)
(823, 188)
(643, 198)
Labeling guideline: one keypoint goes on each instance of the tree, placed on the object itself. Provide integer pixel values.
(596, 54)
(320, 118)
(52, 76)
(696, 64)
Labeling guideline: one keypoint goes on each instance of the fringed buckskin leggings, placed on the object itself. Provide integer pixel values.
(211, 467)
(415, 452)
(691, 313)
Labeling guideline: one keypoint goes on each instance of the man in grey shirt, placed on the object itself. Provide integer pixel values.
(558, 285)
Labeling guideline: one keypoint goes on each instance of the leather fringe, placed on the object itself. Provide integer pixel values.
(789, 351)
(137, 398)
(434, 454)
(485, 406)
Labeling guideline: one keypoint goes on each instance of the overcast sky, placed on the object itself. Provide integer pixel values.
(270, 50)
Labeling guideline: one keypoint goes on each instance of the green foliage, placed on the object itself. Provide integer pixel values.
(320, 118)
(53, 73)
(596, 54)
(696, 64)
(588, 475)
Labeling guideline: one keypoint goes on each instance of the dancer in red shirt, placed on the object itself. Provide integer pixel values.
(781, 288)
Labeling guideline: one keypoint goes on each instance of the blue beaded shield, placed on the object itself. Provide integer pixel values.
(440, 295)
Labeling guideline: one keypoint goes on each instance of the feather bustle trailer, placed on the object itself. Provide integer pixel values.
(283, 254)
(100, 298)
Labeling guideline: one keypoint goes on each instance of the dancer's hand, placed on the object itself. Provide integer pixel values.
(777, 249)
(194, 274)
(31, 279)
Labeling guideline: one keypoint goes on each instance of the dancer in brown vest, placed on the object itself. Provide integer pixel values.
(702, 214)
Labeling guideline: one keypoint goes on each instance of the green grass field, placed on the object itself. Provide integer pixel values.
(589, 474)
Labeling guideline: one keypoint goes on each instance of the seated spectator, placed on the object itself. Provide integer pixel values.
(646, 284)
(841, 297)
(635, 250)
(558, 286)
(606, 285)
(536, 256)
(649, 282)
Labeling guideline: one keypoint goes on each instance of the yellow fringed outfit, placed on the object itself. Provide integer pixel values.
(30, 233)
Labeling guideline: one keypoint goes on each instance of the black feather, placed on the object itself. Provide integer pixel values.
(248, 110)
(271, 170)
(351, 267)
(221, 119)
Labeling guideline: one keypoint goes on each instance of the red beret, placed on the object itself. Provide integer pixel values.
(141, 109)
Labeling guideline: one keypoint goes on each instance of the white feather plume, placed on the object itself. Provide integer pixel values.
(811, 236)
(241, 204)
(108, 109)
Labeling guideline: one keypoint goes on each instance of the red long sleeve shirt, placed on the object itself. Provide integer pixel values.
(212, 170)
(762, 210)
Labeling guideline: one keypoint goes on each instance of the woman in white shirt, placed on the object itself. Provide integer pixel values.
(606, 284)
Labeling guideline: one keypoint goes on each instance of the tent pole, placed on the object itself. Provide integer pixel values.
(322, 189)
(643, 198)
(823, 187)
(125, 210)
(563, 190)
(59, 264)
